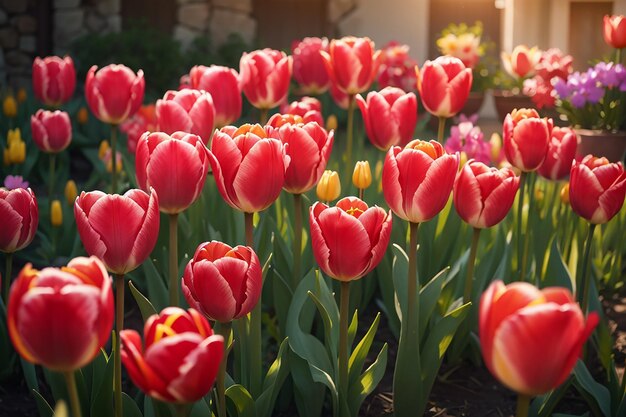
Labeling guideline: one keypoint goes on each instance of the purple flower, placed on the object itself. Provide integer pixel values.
(465, 137)
(11, 182)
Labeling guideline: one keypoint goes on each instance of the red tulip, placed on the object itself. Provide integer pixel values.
(390, 117)
(188, 110)
(223, 85)
(350, 239)
(444, 85)
(615, 31)
(264, 77)
(522, 62)
(308, 65)
(179, 359)
(143, 121)
(20, 216)
(114, 93)
(531, 338)
(222, 282)
(61, 318)
(418, 179)
(121, 230)
(526, 137)
(175, 166)
(52, 131)
(397, 68)
(309, 108)
(249, 166)
(482, 195)
(561, 153)
(597, 188)
(54, 80)
(340, 98)
(352, 63)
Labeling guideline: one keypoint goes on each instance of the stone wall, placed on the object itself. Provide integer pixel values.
(18, 39)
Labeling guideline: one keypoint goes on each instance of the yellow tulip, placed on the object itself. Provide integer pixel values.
(21, 95)
(329, 186)
(14, 135)
(70, 192)
(17, 152)
(331, 122)
(565, 193)
(102, 150)
(82, 116)
(9, 107)
(56, 213)
(362, 175)
(109, 162)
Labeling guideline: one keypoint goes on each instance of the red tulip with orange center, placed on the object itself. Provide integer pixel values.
(121, 230)
(561, 153)
(249, 165)
(597, 189)
(222, 282)
(308, 65)
(20, 217)
(179, 358)
(390, 117)
(52, 131)
(264, 76)
(482, 195)
(54, 80)
(526, 137)
(309, 108)
(352, 63)
(114, 93)
(190, 111)
(350, 239)
(418, 179)
(444, 85)
(615, 31)
(175, 166)
(531, 338)
(223, 85)
(61, 318)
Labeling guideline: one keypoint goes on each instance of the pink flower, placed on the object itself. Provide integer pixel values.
(309, 108)
(54, 80)
(264, 77)
(188, 110)
(444, 85)
(223, 85)
(308, 65)
(52, 131)
(560, 155)
(352, 63)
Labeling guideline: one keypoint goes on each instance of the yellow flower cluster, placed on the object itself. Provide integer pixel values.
(104, 153)
(15, 152)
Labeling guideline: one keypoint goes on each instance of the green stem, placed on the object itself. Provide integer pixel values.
(523, 404)
(297, 240)
(248, 219)
(174, 284)
(361, 192)
(182, 410)
(225, 331)
(70, 381)
(531, 200)
(113, 159)
(618, 55)
(343, 345)
(441, 129)
(584, 302)
(467, 294)
(351, 102)
(119, 325)
(254, 331)
(6, 283)
(240, 364)
(53, 157)
(263, 116)
(520, 218)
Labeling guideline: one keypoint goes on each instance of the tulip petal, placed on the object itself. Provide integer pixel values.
(434, 191)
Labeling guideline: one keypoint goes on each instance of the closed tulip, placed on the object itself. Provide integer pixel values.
(114, 93)
(482, 195)
(309, 108)
(179, 358)
(189, 111)
(418, 179)
(521, 63)
(20, 217)
(56, 213)
(597, 189)
(175, 166)
(615, 31)
(390, 117)
(249, 165)
(352, 63)
(222, 282)
(9, 107)
(444, 85)
(223, 85)
(341, 99)
(121, 230)
(52, 131)
(54, 80)
(561, 153)
(264, 76)
(61, 318)
(526, 137)
(350, 239)
(328, 187)
(531, 338)
(308, 65)
(362, 175)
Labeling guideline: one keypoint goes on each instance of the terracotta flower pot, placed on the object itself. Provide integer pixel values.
(506, 102)
(602, 143)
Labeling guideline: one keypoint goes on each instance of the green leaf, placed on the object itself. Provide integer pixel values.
(308, 394)
(429, 295)
(368, 381)
(400, 270)
(357, 359)
(200, 409)
(145, 306)
(352, 328)
(555, 272)
(241, 401)
(102, 382)
(273, 382)
(157, 292)
(130, 407)
(42, 405)
(597, 395)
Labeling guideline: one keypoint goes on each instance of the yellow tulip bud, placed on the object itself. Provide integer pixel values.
(9, 106)
(331, 122)
(496, 147)
(109, 162)
(102, 150)
(70, 192)
(565, 193)
(21, 95)
(56, 213)
(329, 187)
(6, 157)
(17, 152)
(82, 116)
(463, 160)
(14, 135)
(362, 175)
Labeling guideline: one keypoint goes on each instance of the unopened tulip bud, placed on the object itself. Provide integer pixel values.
(329, 187)
(82, 116)
(70, 192)
(14, 135)
(463, 160)
(9, 107)
(331, 122)
(103, 148)
(496, 147)
(362, 175)
(56, 213)
(21, 95)
(540, 198)
(17, 152)
(565, 193)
